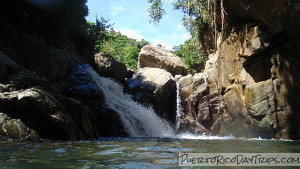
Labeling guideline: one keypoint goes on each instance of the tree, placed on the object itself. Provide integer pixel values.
(156, 11)
(96, 32)
(192, 56)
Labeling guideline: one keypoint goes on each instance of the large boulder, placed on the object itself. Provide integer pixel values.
(153, 86)
(50, 115)
(109, 67)
(158, 57)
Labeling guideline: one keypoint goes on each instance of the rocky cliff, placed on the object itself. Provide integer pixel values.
(251, 84)
(45, 92)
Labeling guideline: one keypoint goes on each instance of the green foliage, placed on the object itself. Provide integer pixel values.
(131, 56)
(192, 56)
(121, 48)
(199, 13)
(96, 32)
(156, 12)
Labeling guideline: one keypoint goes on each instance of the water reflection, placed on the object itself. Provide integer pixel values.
(128, 152)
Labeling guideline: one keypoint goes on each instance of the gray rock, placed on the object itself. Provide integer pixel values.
(15, 129)
(110, 67)
(157, 57)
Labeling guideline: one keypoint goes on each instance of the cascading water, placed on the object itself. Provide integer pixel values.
(138, 121)
(179, 110)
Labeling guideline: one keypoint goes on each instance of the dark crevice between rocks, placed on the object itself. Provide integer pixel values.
(258, 65)
(290, 65)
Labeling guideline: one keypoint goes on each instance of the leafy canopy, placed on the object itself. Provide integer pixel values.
(156, 11)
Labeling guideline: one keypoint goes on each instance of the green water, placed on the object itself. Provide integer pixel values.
(129, 152)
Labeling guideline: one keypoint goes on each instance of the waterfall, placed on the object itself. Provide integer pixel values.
(179, 108)
(138, 121)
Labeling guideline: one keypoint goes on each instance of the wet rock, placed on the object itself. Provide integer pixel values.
(29, 97)
(109, 124)
(157, 57)
(198, 104)
(189, 125)
(202, 105)
(15, 129)
(80, 86)
(51, 115)
(110, 67)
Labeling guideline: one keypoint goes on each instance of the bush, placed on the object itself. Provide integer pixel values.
(192, 55)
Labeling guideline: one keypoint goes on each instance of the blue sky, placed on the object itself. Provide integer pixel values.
(130, 17)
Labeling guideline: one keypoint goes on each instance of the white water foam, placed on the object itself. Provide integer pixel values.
(138, 121)
(202, 137)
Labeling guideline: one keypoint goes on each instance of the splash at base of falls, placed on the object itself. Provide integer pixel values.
(202, 137)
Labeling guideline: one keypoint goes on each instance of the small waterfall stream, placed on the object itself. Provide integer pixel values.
(138, 121)
(179, 108)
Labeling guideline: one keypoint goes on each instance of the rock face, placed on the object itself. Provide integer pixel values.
(251, 83)
(157, 57)
(109, 67)
(153, 86)
(30, 98)
(252, 75)
(201, 101)
(272, 16)
(45, 91)
(247, 74)
(35, 108)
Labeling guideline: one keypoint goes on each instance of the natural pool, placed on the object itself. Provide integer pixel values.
(129, 152)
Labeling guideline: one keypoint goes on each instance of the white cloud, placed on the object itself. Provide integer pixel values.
(132, 34)
(117, 9)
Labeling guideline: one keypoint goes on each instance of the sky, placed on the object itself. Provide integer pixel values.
(130, 17)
